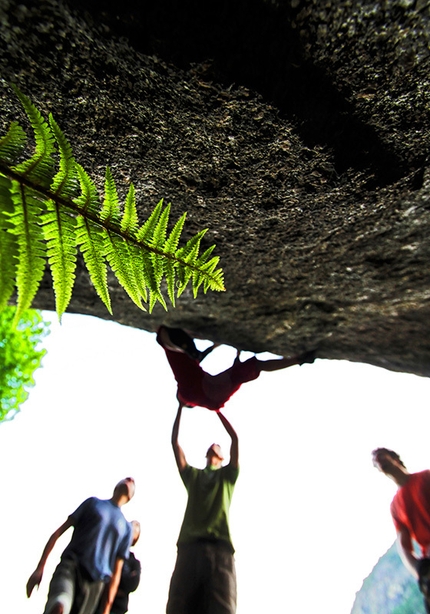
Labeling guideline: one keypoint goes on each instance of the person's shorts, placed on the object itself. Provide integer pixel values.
(204, 579)
(77, 594)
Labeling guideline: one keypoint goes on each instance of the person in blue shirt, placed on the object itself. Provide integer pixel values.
(94, 557)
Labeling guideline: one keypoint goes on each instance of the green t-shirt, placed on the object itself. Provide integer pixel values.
(209, 496)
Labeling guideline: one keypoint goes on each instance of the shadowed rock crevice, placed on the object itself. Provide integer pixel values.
(259, 45)
(297, 132)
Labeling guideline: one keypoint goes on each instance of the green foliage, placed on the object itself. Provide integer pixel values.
(19, 357)
(50, 208)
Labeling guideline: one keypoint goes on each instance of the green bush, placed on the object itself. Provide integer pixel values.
(20, 356)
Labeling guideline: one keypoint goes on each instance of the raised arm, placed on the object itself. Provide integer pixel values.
(234, 449)
(181, 461)
(36, 577)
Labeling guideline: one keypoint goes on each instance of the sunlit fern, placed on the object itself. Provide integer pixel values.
(50, 208)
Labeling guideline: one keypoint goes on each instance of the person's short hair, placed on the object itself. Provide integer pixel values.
(123, 487)
(212, 447)
(390, 453)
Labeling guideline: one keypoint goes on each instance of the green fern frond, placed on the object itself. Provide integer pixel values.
(170, 248)
(65, 183)
(188, 255)
(31, 246)
(148, 273)
(150, 236)
(206, 280)
(110, 209)
(88, 202)
(157, 242)
(213, 278)
(171, 245)
(8, 244)
(191, 248)
(58, 224)
(13, 143)
(8, 262)
(138, 264)
(40, 167)
(90, 236)
(120, 259)
(144, 234)
(183, 278)
(203, 264)
(90, 239)
(7, 205)
(158, 238)
(215, 281)
(154, 297)
(46, 214)
(129, 222)
(59, 233)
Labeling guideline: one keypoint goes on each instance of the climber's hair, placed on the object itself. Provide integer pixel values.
(390, 453)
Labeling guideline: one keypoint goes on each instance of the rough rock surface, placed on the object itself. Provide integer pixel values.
(297, 132)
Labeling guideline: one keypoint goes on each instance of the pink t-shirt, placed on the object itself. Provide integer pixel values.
(198, 388)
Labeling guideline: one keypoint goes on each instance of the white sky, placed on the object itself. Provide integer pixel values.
(310, 515)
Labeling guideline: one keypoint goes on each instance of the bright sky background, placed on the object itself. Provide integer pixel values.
(310, 515)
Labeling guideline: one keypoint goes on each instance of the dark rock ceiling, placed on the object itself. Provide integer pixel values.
(297, 132)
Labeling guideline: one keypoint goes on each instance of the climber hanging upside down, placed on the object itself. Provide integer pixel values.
(198, 388)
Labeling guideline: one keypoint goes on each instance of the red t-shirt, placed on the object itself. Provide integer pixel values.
(410, 508)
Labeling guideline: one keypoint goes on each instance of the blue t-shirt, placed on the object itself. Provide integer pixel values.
(101, 535)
